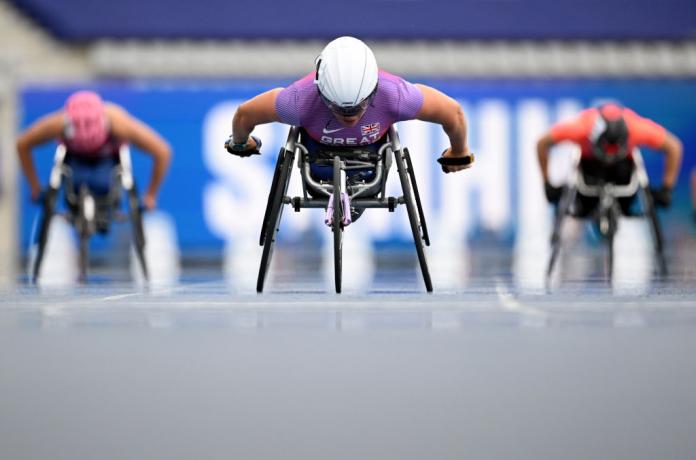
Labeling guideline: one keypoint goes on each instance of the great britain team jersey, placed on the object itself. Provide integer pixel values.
(395, 100)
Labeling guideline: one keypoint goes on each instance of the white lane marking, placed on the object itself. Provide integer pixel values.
(529, 316)
(117, 297)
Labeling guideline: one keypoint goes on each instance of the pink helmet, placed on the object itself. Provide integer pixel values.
(86, 127)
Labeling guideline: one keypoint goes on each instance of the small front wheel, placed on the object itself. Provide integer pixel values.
(337, 223)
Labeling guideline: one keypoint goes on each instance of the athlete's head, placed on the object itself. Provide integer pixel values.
(86, 126)
(610, 133)
(346, 76)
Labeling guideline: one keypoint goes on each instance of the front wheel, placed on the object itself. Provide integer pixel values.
(337, 223)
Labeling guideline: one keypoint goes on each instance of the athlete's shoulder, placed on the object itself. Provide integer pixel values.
(399, 97)
(584, 120)
(300, 91)
(296, 100)
(576, 128)
(632, 117)
(303, 83)
(644, 131)
(392, 82)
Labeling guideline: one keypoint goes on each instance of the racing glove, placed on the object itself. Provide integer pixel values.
(467, 161)
(553, 194)
(662, 196)
(243, 150)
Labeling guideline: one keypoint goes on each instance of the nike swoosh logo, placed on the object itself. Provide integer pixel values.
(326, 129)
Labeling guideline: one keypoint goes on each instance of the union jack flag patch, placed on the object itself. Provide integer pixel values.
(372, 128)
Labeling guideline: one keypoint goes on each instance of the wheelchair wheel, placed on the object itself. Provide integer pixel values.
(47, 212)
(275, 211)
(567, 198)
(135, 214)
(413, 218)
(655, 230)
(555, 241)
(84, 222)
(421, 214)
(337, 223)
(84, 257)
(611, 233)
(271, 194)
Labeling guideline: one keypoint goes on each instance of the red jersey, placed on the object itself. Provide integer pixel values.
(641, 131)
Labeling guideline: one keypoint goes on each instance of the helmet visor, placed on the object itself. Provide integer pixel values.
(350, 110)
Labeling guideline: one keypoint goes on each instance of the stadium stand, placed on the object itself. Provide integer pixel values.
(468, 39)
(79, 20)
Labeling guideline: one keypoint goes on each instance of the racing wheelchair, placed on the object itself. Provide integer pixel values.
(605, 215)
(357, 181)
(90, 213)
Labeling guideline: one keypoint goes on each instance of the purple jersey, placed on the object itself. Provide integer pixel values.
(395, 100)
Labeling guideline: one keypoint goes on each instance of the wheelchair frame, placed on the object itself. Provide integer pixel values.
(608, 211)
(342, 161)
(84, 209)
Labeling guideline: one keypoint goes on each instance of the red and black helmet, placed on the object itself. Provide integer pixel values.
(609, 135)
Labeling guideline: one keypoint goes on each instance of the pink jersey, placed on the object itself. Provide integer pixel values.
(395, 100)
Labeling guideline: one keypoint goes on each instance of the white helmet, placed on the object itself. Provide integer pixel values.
(346, 75)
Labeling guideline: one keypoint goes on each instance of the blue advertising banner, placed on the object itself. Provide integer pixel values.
(214, 198)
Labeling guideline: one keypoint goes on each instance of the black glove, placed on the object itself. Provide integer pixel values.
(553, 194)
(467, 161)
(243, 150)
(662, 196)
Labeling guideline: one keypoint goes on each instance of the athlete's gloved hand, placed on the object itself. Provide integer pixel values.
(466, 161)
(662, 196)
(244, 150)
(553, 194)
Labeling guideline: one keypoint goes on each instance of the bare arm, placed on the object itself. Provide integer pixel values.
(672, 147)
(256, 111)
(445, 111)
(43, 130)
(543, 148)
(130, 129)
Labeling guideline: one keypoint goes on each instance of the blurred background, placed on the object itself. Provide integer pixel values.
(183, 67)
(490, 366)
